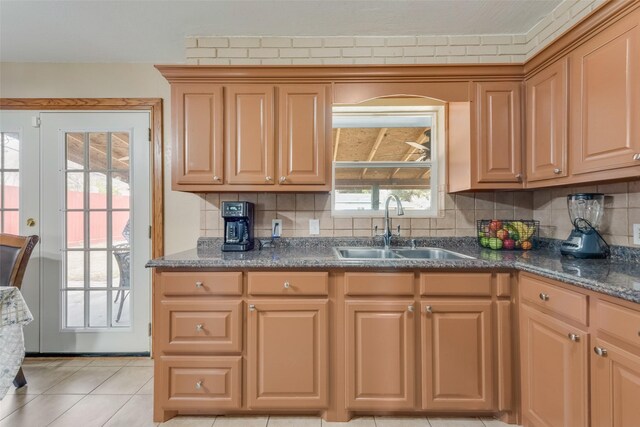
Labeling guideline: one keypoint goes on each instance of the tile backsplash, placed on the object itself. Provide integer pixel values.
(295, 209)
(622, 210)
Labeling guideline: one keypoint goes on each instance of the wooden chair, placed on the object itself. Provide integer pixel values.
(15, 252)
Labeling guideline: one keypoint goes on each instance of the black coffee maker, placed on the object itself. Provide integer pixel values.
(238, 226)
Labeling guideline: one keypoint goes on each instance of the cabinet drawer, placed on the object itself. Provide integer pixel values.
(474, 284)
(378, 283)
(618, 321)
(563, 302)
(200, 326)
(288, 283)
(204, 283)
(200, 382)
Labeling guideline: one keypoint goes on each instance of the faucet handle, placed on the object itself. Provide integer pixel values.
(375, 232)
(397, 233)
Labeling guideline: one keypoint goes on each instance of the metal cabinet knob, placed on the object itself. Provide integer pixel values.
(216, 178)
(602, 352)
(428, 309)
(283, 179)
(543, 296)
(519, 177)
(410, 308)
(636, 156)
(268, 178)
(252, 307)
(199, 385)
(198, 284)
(199, 327)
(287, 285)
(557, 171)
(574, 337)
(31, 222)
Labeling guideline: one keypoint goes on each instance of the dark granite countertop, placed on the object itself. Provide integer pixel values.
(618, 276)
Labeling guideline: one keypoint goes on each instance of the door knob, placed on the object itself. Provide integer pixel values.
(31, 222)
(602, 352)
(574, 337)
(557, 171)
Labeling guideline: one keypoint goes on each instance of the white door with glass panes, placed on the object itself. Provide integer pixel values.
(20, 201)
(95, 217)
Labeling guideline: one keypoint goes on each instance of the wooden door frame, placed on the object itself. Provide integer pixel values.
(154, 106)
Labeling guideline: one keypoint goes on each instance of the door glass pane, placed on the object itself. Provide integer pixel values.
(98, 229)
(97, 308)
(120, 150)
(75, 269)
(11, 222)
(121, 228)
(75, 190)
(98, 269)
(74, 309)
(97, 190)
(98, 151)
(9, 182)
(75, 150)
(75, 229)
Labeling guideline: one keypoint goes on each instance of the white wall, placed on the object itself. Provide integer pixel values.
(45, 80)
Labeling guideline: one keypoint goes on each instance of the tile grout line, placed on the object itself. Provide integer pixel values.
(119, 409)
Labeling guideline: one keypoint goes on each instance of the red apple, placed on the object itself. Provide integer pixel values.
(509, 244)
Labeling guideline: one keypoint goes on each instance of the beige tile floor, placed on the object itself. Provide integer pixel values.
(87, 392)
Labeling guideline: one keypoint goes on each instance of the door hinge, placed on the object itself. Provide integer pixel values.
(149, 134)
(149, 328)
(149, 231)
(35, 121)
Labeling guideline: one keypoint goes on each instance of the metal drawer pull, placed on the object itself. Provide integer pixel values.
(602, 352)
(287, 285)
(543, 296)
(573, 337)
(198, 284)
(410, 308)
(252, 307)
(636, 156)
(557, 171)
(428, 309)
(267, 178)
(519, 177)
(216, 178)
(199, 327)
(283, 179)
(199, 385)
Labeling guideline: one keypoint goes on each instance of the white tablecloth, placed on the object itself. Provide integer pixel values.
(14, 314)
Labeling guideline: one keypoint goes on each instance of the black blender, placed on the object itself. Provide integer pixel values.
(585, 211)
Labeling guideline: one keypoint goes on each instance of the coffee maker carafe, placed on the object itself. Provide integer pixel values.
(238, 226)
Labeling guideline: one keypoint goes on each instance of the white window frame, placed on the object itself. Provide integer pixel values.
(435, 164)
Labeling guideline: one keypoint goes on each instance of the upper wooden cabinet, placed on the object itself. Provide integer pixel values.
(250, 134)
(485, 138)
(197, 134)
(605, 99)
(547, 128)
(251, 137)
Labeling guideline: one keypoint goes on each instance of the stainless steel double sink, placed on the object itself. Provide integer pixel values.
(361, 254)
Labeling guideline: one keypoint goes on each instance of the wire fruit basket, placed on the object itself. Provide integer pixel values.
(507, 234)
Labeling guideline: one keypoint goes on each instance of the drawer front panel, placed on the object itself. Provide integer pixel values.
(563, 302)
(201, 382)
(473, 284)
(619, 322)
(200, 326)
(205, 283)
(378, 284)
(288, 283)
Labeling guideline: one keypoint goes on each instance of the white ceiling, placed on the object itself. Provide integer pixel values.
(154, 31)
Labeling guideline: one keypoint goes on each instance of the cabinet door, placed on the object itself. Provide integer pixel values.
(547, 111)
(457, 362)
(302, 112)
(615, 387)
(554, 371)
(250, 134)
(197, 133)
(605, 99)
(499, 154)
(380, 355)
(287, 354)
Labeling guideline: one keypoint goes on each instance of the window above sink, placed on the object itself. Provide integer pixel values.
(383, 147)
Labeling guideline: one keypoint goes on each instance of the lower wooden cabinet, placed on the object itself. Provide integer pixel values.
(380, 351)
(457, 362)
(615, 386)
(554, 366)
(287, 354)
